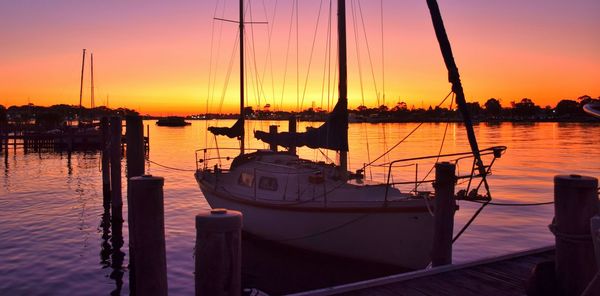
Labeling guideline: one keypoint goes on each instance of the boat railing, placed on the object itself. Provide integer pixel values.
(495, 152)
(204, 160)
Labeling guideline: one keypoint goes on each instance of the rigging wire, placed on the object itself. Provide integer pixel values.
(441, 146)
(312, 49)
(360, 76)
(212, 77)
(297, 58)
(382, 54)
(406, 137)
(287, 55)
(269, 56)
(368, 51)
(258, 89)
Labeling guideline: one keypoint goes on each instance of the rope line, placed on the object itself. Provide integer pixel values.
(169, 167)
(406, 137)
(511, 204)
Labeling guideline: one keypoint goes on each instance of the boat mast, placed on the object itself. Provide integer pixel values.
(242, 75)
(81, 84)
(343, 83)
(92, 103)
(454, 78)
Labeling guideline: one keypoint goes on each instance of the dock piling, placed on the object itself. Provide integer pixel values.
(445, 206)
(134, 138)
(147, 238)
(292, 131)
(273, 131)
(115, 168)
(575, 203)
(218, 253)
(104, 127)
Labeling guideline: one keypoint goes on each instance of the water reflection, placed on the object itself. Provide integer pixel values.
(42, 209)
(110, 246)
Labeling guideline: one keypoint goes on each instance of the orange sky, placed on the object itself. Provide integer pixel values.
(155, 56)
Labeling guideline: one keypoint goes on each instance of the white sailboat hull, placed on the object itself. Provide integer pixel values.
(402, 237)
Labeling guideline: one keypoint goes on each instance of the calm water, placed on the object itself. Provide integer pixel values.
(52, 239)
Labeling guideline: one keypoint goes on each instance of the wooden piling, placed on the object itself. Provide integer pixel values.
(148, 138)
(445, 206)
(115, 167)
(148, 236)
(575, 203)
(292, 131)
(134, 138)
(105, 130)
(273, 131)
(218, 253)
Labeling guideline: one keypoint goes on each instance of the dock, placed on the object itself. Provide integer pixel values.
(503, 275)
(71, 139)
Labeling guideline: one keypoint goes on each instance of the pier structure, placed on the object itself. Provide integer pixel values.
(69, 139)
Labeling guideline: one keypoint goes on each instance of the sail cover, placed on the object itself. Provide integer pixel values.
(333, 134)
(231, 132)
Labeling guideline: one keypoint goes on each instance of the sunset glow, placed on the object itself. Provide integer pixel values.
(156, 56)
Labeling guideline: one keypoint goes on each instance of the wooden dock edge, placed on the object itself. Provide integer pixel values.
(396, 278)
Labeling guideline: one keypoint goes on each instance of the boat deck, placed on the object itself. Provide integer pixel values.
(504, 275)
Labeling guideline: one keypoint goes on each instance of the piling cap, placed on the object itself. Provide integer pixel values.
(148, 180)
(218, 220)
(576, 181)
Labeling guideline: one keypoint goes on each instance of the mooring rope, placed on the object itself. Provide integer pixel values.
(169, 167)
(511, 204)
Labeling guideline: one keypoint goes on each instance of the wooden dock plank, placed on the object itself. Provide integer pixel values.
(504, 275)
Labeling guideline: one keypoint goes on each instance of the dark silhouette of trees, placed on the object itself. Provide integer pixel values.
(525, 109)
(2, 114)
(567, 107)
(493, 107)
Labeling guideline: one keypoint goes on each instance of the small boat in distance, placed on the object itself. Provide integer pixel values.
(172, 121)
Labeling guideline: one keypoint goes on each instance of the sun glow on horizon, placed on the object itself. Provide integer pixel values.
(158, 58)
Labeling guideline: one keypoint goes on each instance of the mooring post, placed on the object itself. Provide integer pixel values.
(575, 203)
(104, 128)
(292, 131)
(273, 131)
(148, 138)
(134, 138)
(115, 168)
(445, 206)
(218, 253)
(148, 236)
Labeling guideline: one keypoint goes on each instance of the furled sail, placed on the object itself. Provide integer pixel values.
(333, 134)
(231, 132)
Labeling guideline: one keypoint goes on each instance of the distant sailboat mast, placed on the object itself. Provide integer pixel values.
(92, 103)
(81, 83)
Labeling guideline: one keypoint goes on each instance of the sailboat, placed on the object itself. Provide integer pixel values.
(321, 206)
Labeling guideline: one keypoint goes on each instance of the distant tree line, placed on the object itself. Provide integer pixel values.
(492, 110)
(56, 115)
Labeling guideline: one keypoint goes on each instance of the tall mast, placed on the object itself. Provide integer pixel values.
(92, 103)
(343, 83)
(454, 78)
(242, 75)
(81, 83)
